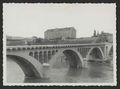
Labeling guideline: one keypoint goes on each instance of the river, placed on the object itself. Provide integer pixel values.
(94, 73)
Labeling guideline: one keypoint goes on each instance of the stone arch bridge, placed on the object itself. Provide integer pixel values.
(31, 57)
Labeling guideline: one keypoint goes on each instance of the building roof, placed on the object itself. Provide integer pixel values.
(106, 34)
(61, 29)
(14, 38)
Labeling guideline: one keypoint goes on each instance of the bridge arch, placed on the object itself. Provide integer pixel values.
(36, 55)
(110, 53)
(30, 67)
(97, 52)
(31, 54)
(53, 52)
(73, 56)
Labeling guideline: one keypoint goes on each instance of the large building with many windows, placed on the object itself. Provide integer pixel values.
(60, 33)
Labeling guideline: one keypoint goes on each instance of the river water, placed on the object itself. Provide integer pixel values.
(94, 73)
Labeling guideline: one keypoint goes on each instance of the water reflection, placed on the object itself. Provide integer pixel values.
(36, 80)
(96, 71)
(74, 72)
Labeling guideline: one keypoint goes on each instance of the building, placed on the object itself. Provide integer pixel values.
(60, 33)
(103, 37)
(109, 36)
(13, 40)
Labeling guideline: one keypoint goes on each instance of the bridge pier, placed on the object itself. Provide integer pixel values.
(85, 63)
(45, 69)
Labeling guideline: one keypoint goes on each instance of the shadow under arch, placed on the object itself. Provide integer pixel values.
(97, 51)
(74, 58)
(27, 67)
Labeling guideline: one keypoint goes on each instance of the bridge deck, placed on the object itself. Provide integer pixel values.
(59, 45)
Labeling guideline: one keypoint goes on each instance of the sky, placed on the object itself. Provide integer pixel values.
(29, 20)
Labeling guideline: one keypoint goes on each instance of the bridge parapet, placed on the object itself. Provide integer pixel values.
(32, 47)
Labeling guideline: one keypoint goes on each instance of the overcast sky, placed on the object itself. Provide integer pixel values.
(34, 19)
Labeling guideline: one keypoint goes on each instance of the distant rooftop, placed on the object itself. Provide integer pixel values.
(61, 29)
(104, 33)
(19, 38)
(14, 38)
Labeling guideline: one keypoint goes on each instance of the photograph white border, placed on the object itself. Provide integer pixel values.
(59, 84)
